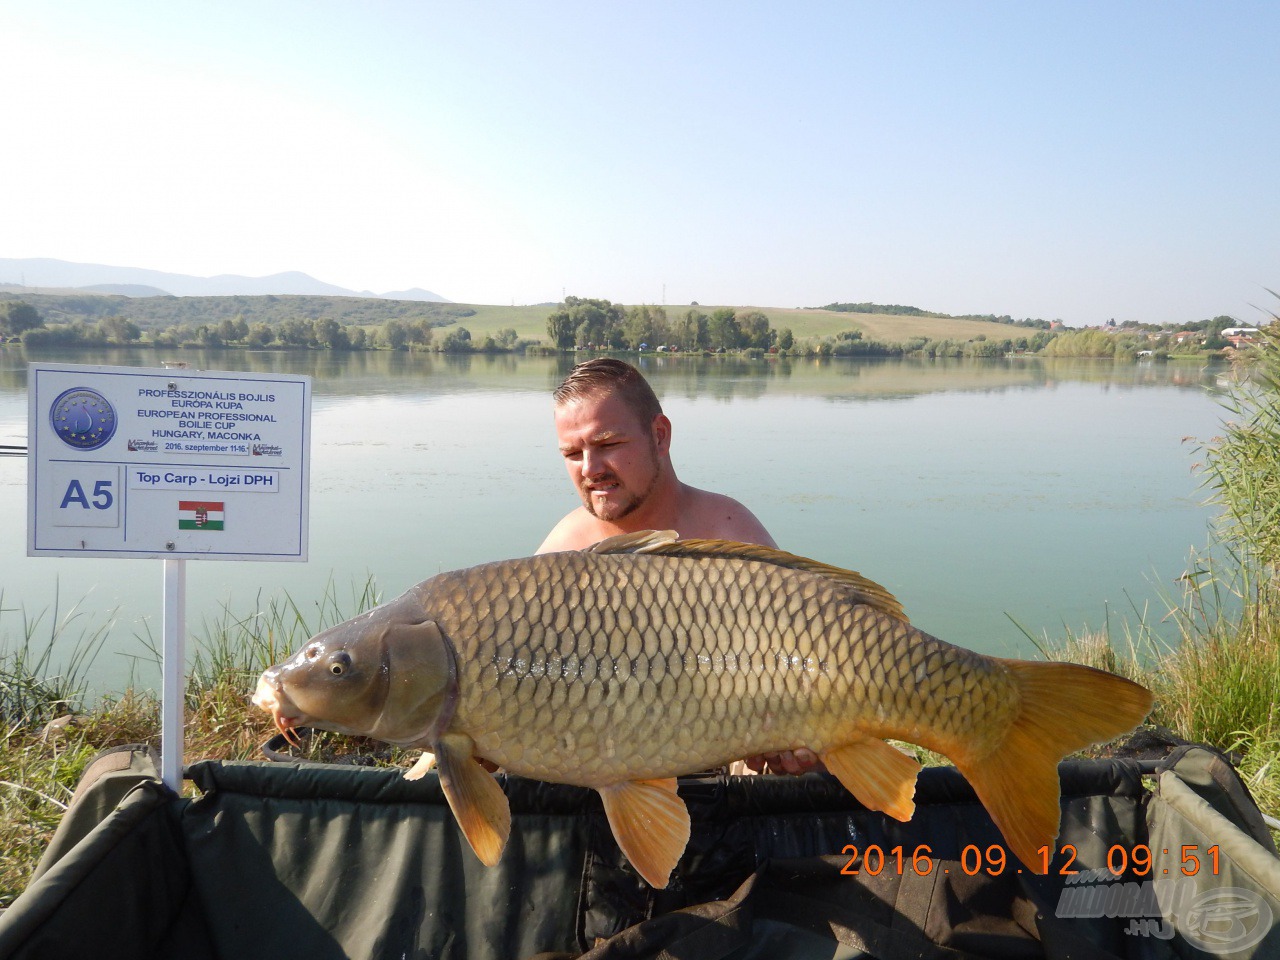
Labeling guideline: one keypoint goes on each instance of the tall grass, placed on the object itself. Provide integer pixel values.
(33, 688)
(1219, 681)
(51, 732)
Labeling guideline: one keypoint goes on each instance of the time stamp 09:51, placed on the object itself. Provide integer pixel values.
(1138, 860)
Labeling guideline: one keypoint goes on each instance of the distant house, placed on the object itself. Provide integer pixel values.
(1183, 336)
(1240, 337)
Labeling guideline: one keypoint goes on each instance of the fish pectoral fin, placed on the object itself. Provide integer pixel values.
(477, 802)
(880, 775)
(650, 823)
(422, 767)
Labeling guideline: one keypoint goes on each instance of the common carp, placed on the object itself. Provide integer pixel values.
(645, 657)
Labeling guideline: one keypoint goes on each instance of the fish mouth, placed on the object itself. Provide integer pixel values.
(268, 696)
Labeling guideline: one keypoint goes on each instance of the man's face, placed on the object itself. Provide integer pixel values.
(612, 458)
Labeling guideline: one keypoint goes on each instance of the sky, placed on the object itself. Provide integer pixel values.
(1060, 160)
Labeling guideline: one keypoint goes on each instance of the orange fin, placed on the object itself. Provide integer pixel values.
(1064, 707)
(881, 776)
(477, 802)
(664, 542)
(650, 823)
(422, 767)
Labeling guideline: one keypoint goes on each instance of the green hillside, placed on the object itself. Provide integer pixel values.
(529, 322)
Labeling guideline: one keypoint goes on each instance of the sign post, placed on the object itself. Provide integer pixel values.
(136, 463)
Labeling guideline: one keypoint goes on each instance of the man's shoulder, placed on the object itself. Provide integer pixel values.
(575, 531)
(718, 516)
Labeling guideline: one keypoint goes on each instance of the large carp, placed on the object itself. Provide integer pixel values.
(645, 657)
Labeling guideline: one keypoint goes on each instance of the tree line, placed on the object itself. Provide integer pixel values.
(585, 323)
(20, 319)
(899, 310)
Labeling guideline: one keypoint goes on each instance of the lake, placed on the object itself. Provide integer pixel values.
(1057, 493)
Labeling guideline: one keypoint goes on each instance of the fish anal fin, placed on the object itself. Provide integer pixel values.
(881, 776)
(422, 767)
(477, 802)
(664, 543)
(650, 823)
(1063, 707)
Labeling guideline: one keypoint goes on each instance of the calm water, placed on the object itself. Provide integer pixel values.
(1050, 492)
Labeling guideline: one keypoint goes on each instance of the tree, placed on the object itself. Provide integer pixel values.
(296, 332)
(233, 329)
(457, 340)
(786, 339)
(17, 317)
(644, 324)
(260, 335)
(420, 332)
(583, 321)
(394, 334)
(756, 331)
(119, 330)
(560, 328)
(723, 329)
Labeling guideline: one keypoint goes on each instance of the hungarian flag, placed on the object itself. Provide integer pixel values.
(199, 515)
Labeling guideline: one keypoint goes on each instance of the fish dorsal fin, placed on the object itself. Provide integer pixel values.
(664, 543)
(642, 541)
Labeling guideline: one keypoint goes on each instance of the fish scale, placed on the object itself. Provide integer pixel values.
(645, 657)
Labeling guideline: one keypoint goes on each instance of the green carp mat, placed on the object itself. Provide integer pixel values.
(1156, 859)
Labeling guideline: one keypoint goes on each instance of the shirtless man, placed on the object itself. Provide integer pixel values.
(616, 444)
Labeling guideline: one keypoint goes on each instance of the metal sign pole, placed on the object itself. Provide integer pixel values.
(172, 687)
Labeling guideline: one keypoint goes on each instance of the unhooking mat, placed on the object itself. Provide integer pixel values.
(1155, 861)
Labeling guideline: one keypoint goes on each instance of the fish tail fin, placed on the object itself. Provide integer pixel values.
(1064, 707)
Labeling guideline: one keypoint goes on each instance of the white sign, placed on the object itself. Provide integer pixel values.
(136, 462)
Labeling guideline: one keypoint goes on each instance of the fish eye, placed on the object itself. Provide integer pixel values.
(339, 663)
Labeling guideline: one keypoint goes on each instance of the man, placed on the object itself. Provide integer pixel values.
(616, 444)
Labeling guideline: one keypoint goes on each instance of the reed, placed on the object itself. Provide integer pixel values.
(51, 732)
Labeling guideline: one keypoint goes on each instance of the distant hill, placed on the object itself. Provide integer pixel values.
(417, 293)
(123, 290)
(48, 275)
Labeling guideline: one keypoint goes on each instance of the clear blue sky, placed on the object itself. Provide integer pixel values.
(1048, 159)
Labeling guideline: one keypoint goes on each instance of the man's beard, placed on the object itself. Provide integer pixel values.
(620, 509)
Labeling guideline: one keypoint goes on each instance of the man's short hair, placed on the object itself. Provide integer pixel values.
(604, 375)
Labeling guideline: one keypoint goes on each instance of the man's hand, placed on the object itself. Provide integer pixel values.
(788, 761)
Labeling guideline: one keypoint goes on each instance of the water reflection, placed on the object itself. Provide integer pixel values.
(686, 376)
